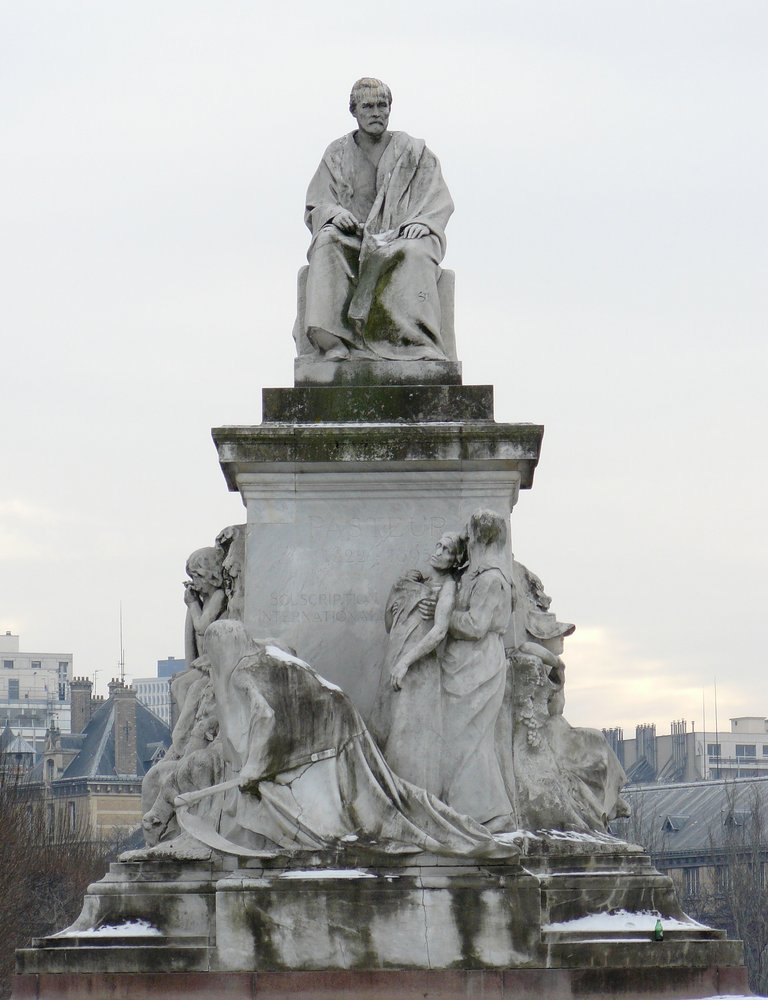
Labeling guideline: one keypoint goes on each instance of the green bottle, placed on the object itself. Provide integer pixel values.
(658, 931)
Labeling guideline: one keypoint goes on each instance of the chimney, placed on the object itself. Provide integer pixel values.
(125, 727)
(80, 702)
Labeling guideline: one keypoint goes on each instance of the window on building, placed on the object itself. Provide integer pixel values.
(723, 878)
(746, 750)
(13, 689)
(49, 769)
(36, 664)
(8, 664)
(765, 749)
(71, 814)
(691, 882)
(50, 816)
(713, 750)
(63, 664)
(62, 692)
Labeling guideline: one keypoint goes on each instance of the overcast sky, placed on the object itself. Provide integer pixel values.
(608, 161)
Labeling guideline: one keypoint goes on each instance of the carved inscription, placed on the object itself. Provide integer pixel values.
(344, 553)
(318, 607)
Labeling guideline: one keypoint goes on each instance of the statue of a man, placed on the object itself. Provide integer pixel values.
(377, 208)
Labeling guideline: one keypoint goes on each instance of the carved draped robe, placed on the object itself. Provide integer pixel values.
(375, 290)
(323, 782)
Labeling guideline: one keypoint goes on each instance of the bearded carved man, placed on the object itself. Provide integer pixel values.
(377, 208)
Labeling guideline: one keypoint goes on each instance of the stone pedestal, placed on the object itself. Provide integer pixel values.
(349, 481)
(307, 928)
(347, 487)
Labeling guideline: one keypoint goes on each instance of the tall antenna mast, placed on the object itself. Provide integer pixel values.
(121, 664)
(717, 736)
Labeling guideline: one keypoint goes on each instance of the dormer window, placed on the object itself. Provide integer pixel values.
(673, 824)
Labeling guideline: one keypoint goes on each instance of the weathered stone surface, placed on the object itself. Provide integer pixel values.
(336, 512)
(378, 448)
(309, 915)
(309, 370)
(457, 984)
(384, 404)
(446, 290)
(323, 548)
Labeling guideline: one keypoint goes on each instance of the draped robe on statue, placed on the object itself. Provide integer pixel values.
(375, 290)
(473, 683)
(318, 779)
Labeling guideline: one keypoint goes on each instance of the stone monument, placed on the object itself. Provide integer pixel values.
(372, 790)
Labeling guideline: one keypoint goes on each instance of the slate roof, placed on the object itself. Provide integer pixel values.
(19, 745)
(692, 817)
(6, 737)
(96, 744)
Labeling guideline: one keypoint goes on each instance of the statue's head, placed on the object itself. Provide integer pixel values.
(370, 103)
(544, 628)
(486, 527)
(204, 569)
(450, 552)
(368, 88)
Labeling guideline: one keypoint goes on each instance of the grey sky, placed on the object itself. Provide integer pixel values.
(608, 164)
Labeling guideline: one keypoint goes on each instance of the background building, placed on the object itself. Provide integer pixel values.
(155, 692)
(170, 666)
(92, 776)
(34, 691)
(711, 838)
(683, 755)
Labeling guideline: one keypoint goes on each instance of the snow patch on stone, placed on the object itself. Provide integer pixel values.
(129, 928)
(280, 654)
(622, 920)
(328, 873)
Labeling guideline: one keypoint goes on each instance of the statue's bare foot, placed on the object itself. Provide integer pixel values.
(181, 848)
(500, 824)
(338, 353)
(333, 349)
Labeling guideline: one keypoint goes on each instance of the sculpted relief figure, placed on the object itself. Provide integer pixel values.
(204, 597)
(565, 777)
(305, 773)
(214, 590)
(413, 747)
(377, 208)
(459, 664)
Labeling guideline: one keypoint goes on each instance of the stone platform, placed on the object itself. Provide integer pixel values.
(310, 929)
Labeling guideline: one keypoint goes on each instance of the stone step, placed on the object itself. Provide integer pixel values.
(597, 952)
(310, 370)
(75, 940)
(671, 934)
(377, 404)
(114, 958)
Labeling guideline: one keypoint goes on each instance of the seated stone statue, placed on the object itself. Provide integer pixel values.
(377, 208)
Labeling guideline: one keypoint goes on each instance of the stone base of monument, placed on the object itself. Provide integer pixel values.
(575, 919)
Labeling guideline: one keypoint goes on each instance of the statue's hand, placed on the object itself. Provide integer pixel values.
(397, 674)
(346, 222)
(190, 595)
(427, 607)
(249, 782)
(415, 231)
(414, 575)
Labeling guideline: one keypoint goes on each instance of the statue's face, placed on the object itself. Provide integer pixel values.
(555, 645)
(372, 112)
(445, 554)
(200, 583)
